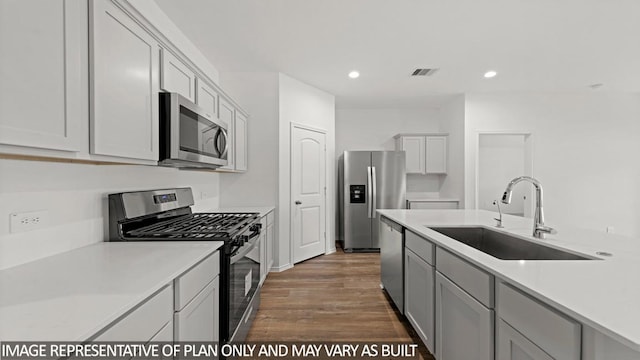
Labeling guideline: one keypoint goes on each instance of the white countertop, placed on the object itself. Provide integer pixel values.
(603, 294)
(73, 295)
(430, 199)
(263, 210)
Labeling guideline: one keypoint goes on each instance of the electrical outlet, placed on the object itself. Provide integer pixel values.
(610, 229)
(27, 221)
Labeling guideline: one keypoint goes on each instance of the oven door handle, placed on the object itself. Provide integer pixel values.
(243, 253)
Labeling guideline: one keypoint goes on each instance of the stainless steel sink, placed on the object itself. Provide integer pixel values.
(504, 246)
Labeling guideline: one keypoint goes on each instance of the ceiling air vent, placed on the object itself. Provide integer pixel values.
(424, 72)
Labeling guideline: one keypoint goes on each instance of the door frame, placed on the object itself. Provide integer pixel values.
(529, 165)
(292, 126)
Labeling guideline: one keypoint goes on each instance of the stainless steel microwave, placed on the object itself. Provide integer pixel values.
(189, 137)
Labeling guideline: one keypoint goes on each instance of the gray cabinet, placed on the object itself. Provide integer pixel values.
(43, 87)
(464, 327)
(227, 113)
(553, 333)
(207, 98)
(419, 296)
(513, 346)
(240, 142)
(124, 85)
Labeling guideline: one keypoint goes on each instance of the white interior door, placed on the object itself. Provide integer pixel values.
(308, 186)
(502, 157)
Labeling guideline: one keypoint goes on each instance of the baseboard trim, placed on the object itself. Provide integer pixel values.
(330, 251)
(281, 268)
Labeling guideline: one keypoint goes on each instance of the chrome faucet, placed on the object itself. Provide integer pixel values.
(499, 220)
(539, 228)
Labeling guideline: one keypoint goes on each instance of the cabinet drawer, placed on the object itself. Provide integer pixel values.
(195, 279)
(420, 246)
(553, 332)
(145, 321)
(198, 321)
(476, 282)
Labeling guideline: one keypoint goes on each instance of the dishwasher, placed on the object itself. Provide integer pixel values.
(392, 260)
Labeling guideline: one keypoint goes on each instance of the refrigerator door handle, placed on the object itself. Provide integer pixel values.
(374, 192)
(369, 192)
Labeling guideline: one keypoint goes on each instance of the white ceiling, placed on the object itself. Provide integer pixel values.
(535, 45)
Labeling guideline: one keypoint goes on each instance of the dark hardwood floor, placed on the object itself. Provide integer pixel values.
(334, 297)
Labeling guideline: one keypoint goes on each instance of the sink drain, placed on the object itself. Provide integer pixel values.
(604, 253)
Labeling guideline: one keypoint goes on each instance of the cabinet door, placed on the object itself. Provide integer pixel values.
(436, 154)
(124, 85)
(241, 142)
(263, 257)
(177, 77)
(419, 297)
(414, 146)
(227, 113)
(199, 320)
(513, 346)
(41, 88)
(464, 327)
(207, 98)
(270, 245)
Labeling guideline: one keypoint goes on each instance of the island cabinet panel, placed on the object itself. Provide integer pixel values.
(464, 327)
(419, 296)
(476, 282)
(513, 346)
(553, 332)
(43, 54)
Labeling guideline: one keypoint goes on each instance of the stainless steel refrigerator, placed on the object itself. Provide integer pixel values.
(369, 180)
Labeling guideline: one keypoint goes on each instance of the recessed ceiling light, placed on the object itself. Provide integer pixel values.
(354, 74)
(490, 74)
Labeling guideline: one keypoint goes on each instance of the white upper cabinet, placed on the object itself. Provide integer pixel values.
(426, 153)
(124, 85)
(436, 154)
(414, 147)
(207, 98)
(227, 114)
(177, 77)
(42, 92)
(241, 142)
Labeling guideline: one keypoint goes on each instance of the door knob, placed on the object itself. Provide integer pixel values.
(298, 202)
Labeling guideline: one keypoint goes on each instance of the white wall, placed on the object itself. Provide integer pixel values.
(585, 149)
(500, 159)
(303, 104)
(75, 197)
(374, 129)
(452, 121)
(258, 94)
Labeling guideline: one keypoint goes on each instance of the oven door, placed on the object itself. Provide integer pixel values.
(188, 137)
(244, 278)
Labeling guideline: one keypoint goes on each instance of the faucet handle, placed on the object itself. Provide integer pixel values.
(543, 229)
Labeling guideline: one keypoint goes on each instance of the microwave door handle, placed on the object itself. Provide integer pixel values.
(223, 153)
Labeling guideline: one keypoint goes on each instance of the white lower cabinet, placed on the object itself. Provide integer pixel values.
(513, 346)
(197, 302)
(271, 234)
(199, 319)
(464, 327)
(419, 297)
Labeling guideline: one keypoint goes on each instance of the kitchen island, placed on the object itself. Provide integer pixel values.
(597, 299)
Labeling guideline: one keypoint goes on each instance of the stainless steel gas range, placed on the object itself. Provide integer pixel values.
(165, 215)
